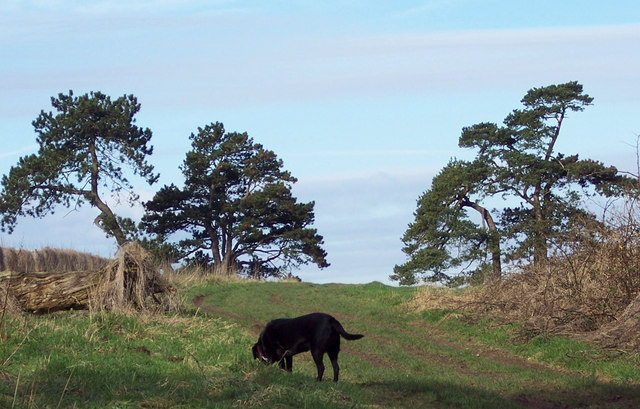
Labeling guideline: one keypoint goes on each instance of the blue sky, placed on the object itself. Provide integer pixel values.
(363, 100)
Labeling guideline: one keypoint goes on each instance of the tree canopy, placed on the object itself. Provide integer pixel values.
(542, 191)
(87, 146)
(236, 208)
(444, 235)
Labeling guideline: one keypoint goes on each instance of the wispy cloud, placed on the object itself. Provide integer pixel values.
(360, 66)
(113, 6)
(201, 63)
(17, 152)
(426, 7)
(422, 64)
(371, 153)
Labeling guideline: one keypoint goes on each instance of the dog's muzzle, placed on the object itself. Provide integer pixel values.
(263, 358)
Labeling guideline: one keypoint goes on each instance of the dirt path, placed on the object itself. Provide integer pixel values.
(434, 336)
(257, 325)
(429, 334)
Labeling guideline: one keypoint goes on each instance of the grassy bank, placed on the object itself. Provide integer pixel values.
(200, 357)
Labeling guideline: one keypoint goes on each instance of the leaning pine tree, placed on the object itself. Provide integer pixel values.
(236, 208)
(518, 162)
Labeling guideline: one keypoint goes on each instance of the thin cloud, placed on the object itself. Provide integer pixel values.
(370, 153)
(282, 67)
(427, 7)
(112, 6)
(314, 68)
(26, 149)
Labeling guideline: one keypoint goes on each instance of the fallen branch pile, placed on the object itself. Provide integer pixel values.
(129, 281)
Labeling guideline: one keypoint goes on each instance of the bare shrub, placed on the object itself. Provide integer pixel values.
(590, 287)
(593, 278)
(622, 332)
(546, 300)
(48, 259)
(131, 281)
(25, 261)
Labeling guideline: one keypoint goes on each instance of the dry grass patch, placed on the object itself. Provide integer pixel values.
(8, 303)
(48, 260)
(546, 301)
(441, 298)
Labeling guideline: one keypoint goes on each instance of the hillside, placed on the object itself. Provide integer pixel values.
(200, 356)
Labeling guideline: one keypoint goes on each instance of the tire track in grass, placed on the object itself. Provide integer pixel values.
(548, 396)
(412, 350)
(257, 326)
(481, 351)
(434, 359)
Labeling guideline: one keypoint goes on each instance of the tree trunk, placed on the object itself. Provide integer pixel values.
(227, 264)
(47, 292)
(494, 247)
(494, 239)
(539, 235)
(106, 220)
(215, 244)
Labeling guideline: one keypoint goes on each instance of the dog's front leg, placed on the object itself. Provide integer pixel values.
(288, 360)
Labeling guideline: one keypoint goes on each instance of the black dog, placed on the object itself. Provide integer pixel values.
(317, 332)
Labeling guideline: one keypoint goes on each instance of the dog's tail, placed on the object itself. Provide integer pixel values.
(338, 327)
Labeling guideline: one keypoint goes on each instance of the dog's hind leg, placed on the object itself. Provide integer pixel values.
(333, 356)
(317, 358)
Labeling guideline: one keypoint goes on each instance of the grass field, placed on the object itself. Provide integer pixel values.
(200, 357)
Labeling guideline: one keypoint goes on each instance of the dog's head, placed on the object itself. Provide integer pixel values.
(259, 353)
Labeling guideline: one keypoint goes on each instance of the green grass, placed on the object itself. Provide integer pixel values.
(201, 358)
(569, 353)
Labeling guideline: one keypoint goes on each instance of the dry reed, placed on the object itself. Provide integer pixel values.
(8, 303)
(48, 260)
